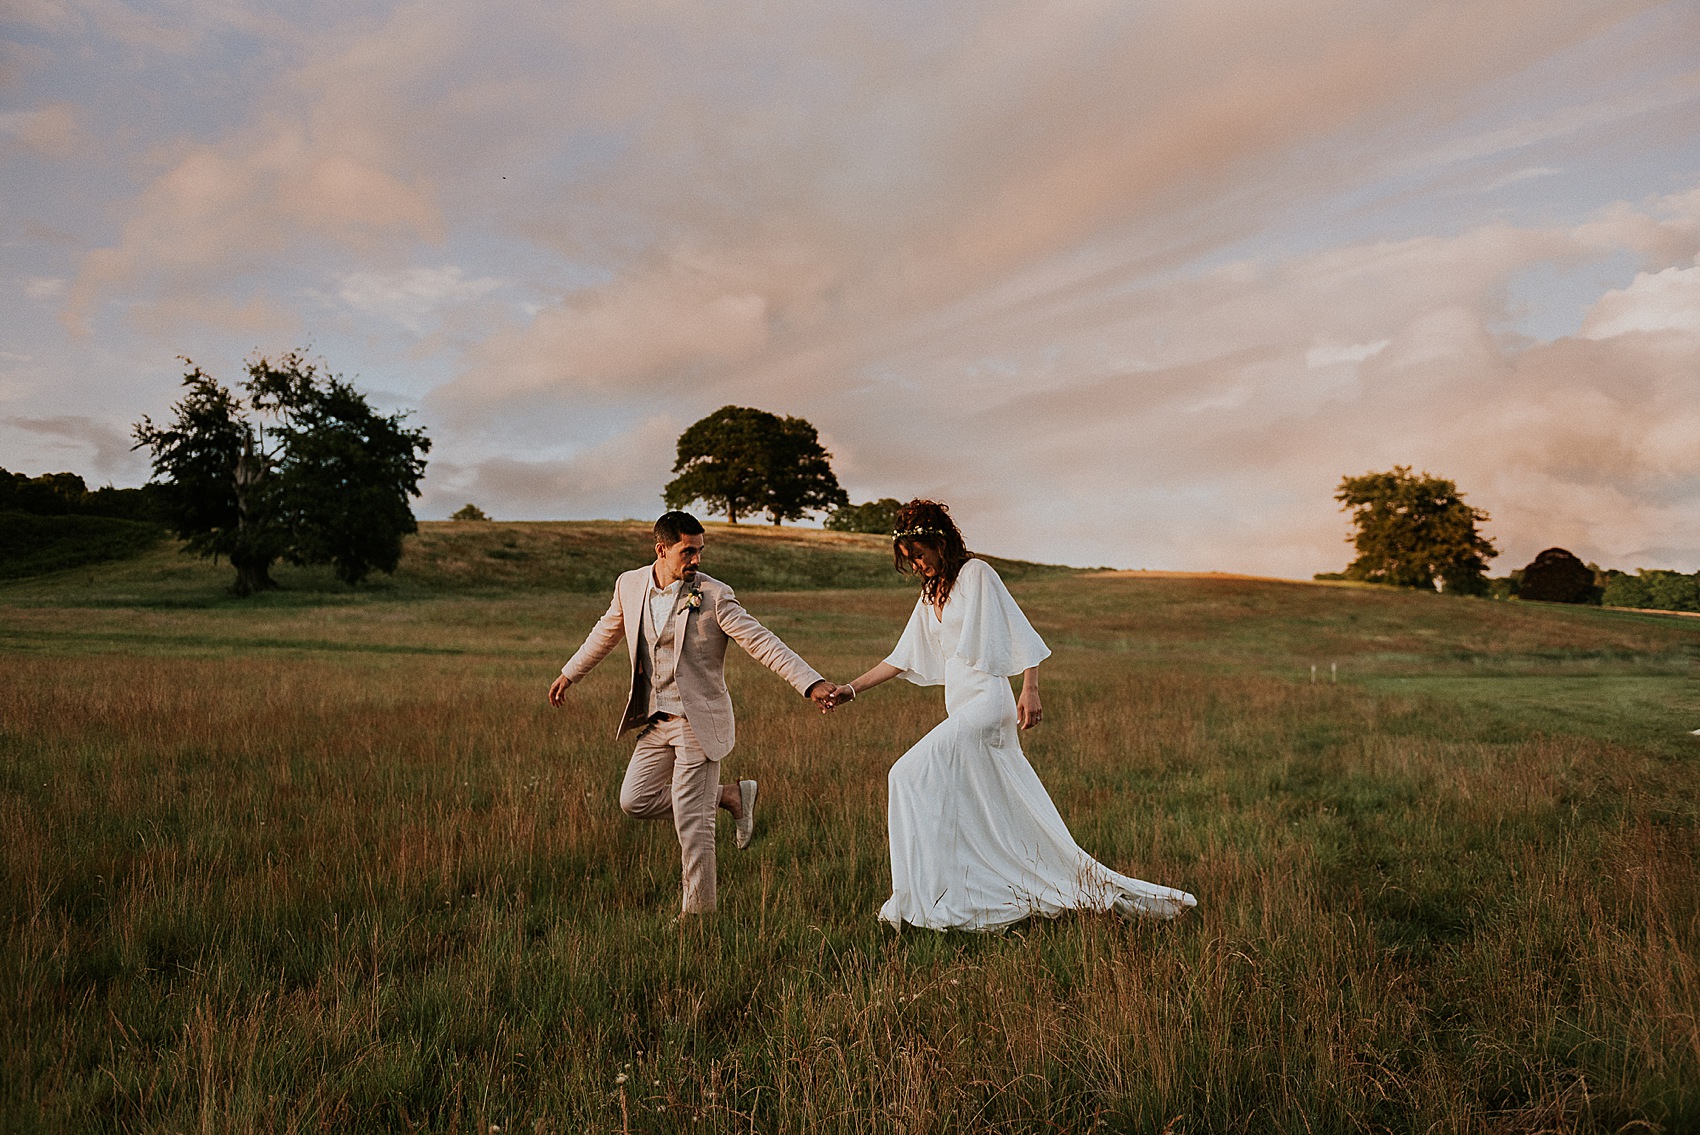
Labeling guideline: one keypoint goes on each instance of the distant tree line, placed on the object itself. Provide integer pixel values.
(878, 517)
(67, 494)
(1414, 530)
(1653, 590)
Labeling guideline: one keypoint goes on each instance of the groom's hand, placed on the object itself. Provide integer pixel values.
(823, 693)
(558, 691)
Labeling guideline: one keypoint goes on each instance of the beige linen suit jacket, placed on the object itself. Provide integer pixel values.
(700, 635)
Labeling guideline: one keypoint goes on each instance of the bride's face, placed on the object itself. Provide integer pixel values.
(924, 560)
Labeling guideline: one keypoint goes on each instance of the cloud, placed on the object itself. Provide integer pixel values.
(230, 208)
(1661, 301)
(135, 28)
(106, 450)
(619, 478)
(1516, 176)
(648, 330)
(410, 298)
(1255, 387)
(1325, 354)
(53, 130)
(257, 314)
(949, 169)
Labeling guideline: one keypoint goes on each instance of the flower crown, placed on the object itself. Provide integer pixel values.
(918, 531)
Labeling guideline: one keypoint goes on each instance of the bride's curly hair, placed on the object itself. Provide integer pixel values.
(927, 524)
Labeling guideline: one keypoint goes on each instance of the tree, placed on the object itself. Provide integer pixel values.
(195, 463)
(878, 517)
(740, 460)
(800, 478)
(301, 469)
(1557, 576)
(468, 511)
(1653, 590)
(344, 471)
(1415, 530)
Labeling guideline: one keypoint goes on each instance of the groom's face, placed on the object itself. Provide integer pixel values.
(678, 561)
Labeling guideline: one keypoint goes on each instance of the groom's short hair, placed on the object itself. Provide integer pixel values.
(671, 527)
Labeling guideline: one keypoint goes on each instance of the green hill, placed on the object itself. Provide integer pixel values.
(587, 555)
(36, 545)
(491, 557)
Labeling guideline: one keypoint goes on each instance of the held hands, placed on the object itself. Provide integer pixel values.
(829, 696)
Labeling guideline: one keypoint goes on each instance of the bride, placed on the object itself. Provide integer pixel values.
(976, 843)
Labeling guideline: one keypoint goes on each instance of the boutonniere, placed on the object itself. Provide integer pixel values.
(693, 597)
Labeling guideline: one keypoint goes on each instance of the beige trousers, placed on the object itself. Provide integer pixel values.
(670, 775)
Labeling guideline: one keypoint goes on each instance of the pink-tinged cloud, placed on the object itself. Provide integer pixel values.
(51, 131)
(687, 314)
(1654, 302)
(223, 210)
(610, 477)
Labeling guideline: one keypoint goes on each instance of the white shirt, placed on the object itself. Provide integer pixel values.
(661, 603)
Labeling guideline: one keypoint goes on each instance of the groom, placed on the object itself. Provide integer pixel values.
(676, 622)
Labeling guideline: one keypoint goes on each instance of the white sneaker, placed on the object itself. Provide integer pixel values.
(747, 822)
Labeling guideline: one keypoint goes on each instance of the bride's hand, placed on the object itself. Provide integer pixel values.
(1027, 710)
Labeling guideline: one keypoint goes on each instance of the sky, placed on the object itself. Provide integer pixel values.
(1130, 284)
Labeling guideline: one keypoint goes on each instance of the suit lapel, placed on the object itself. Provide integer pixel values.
(681, 618)
(636, 586)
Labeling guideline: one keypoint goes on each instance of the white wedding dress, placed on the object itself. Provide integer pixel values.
(975, 841)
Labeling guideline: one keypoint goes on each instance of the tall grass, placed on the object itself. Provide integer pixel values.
(309, 868)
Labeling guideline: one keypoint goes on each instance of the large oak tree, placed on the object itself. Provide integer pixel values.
(1414, 530)
(740, 461)
(297, 466)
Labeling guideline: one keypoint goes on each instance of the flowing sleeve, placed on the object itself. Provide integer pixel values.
(996, 637)
(918, 653)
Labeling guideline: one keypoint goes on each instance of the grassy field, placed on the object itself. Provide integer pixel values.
(326, 861)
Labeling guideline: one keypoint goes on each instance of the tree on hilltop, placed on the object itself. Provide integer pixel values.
(800, 478)
(740, 460)
(299, 467)
(1415, 530)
